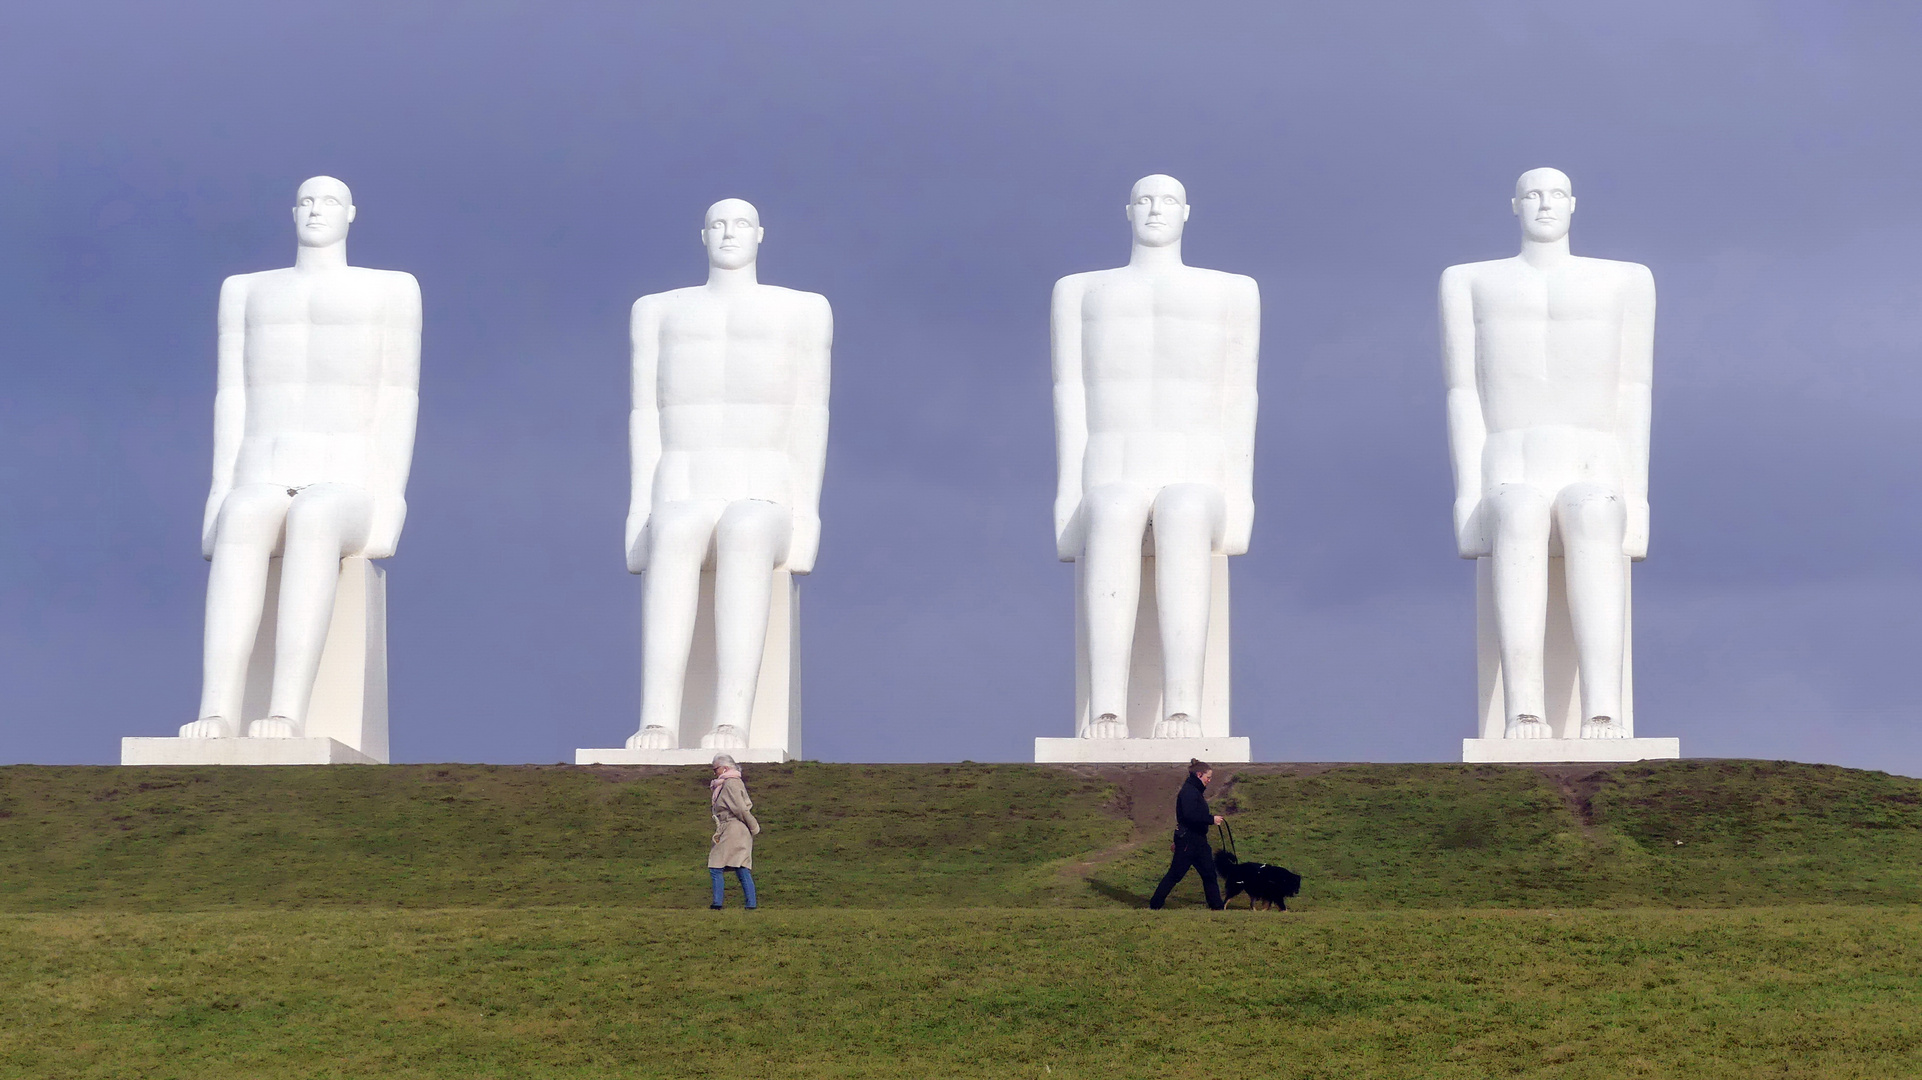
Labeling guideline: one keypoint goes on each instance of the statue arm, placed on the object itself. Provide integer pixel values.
(1638, 365)
(1467, 431)
(1070, 415)
(230, 403)
(1238, 423)
(643, 426)
(808, 438)
(398, 410)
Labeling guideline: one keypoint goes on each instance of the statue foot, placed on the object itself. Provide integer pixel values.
(724, 737)
(651, 738)
(1602, 727)
(1528, 726)
(208, 727)
(274, 727)
(1177, 726)
(1106, 726)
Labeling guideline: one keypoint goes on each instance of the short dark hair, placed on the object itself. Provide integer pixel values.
(1198, 766)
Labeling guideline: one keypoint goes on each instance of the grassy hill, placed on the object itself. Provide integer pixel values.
(1711, 833)
(1687, 919)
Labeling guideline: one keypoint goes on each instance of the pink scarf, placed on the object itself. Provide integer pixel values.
(714, 785)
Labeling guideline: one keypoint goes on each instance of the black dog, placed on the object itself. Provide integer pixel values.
(1271, 885)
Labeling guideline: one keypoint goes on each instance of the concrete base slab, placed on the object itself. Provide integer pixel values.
(1558, 750)
(316, 751)
(1225, 748)
(622, 756)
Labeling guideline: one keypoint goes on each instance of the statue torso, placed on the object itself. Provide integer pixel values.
(1154, 361)
(315, 352)
(1549, 367)
(726, 387)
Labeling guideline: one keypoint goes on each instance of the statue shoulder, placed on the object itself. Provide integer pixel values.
(1228, 282)
(1470, 271)
(811, 302)
(655, 301)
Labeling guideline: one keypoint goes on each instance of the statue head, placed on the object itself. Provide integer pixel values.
(1158, 209)
(323, 208)
(732, 232)
(1544, 201)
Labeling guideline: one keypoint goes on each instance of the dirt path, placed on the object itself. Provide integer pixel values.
(1146, 799)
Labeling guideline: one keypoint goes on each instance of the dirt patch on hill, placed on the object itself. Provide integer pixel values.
(1145, 798)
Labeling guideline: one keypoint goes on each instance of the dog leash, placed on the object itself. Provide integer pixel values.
(1228, 834)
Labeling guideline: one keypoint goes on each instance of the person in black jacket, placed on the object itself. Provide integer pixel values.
(1192, 822)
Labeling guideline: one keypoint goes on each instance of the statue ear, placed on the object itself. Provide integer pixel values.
(760, 234)
(351, 211)
(1515, 207)
(1185, 211)
(1571, 204)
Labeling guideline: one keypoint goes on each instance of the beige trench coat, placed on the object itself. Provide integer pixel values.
(734, 827)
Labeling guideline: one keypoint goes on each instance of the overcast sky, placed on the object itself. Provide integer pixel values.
(932, 169)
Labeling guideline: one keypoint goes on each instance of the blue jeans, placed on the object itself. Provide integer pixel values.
(741, 874)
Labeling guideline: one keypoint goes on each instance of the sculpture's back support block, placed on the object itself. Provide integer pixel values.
(1560, 674)
(774, 731)
(349, 706)
(1144, 686)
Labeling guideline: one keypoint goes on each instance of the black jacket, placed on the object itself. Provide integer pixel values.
(1192, 818)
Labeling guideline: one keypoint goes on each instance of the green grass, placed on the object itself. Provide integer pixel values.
(1683, 919)
(321, 993)
(1365, 837)
(1682, 833)
(151, 839)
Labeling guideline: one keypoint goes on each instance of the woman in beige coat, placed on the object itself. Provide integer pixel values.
(734, 830)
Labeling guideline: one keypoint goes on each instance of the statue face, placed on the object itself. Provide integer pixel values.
(732, 234)
(1157, 209)
(323, 208)
(1545, 203)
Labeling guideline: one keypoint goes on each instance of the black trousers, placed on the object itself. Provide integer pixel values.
(1195, 853)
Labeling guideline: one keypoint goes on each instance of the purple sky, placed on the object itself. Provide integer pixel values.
(932, 170)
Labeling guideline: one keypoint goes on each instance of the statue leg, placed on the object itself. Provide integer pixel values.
(244, 540)
(1521, 528)
(1593, 520)
(749, 541)
(678, 537)
(1111, 584)
(1188, 522)
(324, 523)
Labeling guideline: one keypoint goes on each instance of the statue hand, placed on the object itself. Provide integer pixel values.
(1635, 537)
(1067, 531)
(636, 543)
(804, 543)
(1239, 527)
(383, 535)
(210, 523)
(1471, 540)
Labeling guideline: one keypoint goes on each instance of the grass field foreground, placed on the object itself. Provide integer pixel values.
(1814, 993)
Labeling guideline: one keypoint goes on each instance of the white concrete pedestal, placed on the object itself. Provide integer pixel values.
(1145, 690)
(349, 704)
(1574, 750)
(1213, 751)
(774, 727)
(1561, 680)
(242, 751)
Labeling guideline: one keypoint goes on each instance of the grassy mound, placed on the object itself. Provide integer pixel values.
(1365, 836)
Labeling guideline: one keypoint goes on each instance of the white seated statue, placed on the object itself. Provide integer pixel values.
(314, 413)
(1154, 404)
(1548, 360)
(729, 442)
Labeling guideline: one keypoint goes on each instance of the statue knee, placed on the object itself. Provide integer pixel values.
(251, 518)
(1110, 509)
(1519, 513)
(1592, 513)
